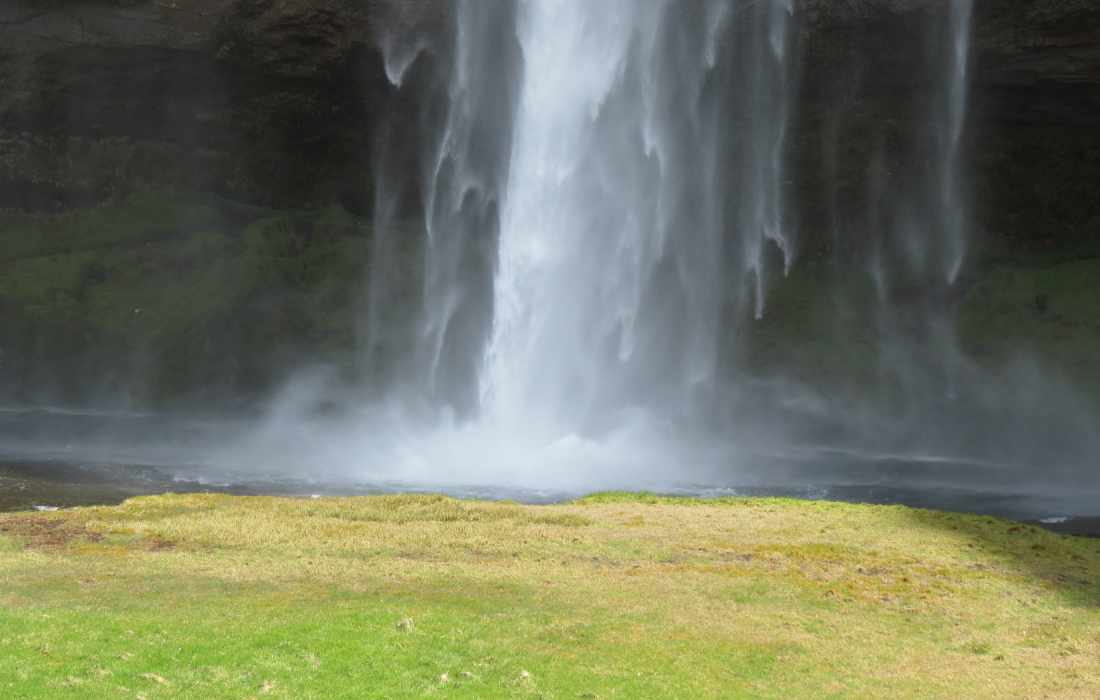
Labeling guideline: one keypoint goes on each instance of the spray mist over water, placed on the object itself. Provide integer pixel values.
(586, 210)
(584, 255)
(604, 211)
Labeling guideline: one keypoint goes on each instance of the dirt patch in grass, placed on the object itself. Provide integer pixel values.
(158, 544)
(42, 533)
(51, 534)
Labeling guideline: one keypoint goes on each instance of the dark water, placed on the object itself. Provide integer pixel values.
(63, 458)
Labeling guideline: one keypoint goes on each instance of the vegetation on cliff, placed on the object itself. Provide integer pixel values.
(169, 297)
(166, 295)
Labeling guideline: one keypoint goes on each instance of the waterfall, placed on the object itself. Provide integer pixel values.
(605, 199)
(619, 249)
(936, 389)
(958, 77)
(934, 231)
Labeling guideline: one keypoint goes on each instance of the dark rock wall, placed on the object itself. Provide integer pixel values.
(270, 105)
(268, 102)
(279, 102)
(1034, 108)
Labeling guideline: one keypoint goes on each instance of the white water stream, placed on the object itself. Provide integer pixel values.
(605, 204)
(620, 251)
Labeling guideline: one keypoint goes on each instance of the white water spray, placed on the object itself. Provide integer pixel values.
(604, 204)
(952, 206)
(614, 269)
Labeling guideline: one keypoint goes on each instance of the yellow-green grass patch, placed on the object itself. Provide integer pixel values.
(611, 596)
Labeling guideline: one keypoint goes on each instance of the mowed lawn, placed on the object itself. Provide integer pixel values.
(615, 596)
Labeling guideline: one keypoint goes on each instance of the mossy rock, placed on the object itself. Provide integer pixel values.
(177, 295)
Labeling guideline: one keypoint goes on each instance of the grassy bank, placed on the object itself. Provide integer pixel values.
(614, 596)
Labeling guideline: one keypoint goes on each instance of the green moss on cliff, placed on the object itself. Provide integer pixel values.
(824, 326)
(818, 328)
(172, 295)
(1051, 310)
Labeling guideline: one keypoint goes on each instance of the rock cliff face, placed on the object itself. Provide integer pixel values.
(1037, 107)
(267, 102)
(1032, 142)
(277, 102)
(268, 105)
(182, 190)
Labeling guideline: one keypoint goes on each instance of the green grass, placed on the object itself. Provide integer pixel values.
(616, 595)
